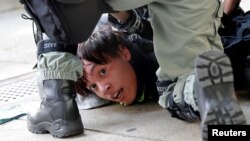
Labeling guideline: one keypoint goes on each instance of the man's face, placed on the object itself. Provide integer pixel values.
(115, 81)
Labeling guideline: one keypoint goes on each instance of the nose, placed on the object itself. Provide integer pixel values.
(104, 88)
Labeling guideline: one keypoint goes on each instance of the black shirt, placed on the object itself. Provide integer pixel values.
(145, 65)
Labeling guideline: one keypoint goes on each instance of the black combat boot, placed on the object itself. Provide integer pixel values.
(214, 88)
(58, 113)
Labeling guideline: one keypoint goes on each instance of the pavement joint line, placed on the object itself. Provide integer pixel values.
(123, 135)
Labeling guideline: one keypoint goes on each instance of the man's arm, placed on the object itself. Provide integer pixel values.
(132, 22)
(121, 16)
(230, 5)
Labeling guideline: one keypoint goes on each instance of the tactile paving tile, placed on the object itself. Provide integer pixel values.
(17, 90)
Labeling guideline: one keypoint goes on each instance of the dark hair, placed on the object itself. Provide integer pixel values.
(100, 48)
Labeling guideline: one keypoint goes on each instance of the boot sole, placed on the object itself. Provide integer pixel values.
(215, 76)
(58, 128)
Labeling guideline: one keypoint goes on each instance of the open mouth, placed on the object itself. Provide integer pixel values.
(118, 94)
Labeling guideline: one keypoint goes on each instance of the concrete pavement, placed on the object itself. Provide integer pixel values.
(144, 122)
(17, 47)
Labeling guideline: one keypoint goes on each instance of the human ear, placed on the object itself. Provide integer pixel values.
(125, 54)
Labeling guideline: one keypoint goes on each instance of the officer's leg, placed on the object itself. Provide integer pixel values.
(58, 66)
(195, 24)
(58, 112)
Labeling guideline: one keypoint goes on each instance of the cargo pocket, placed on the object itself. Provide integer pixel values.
(218, 15)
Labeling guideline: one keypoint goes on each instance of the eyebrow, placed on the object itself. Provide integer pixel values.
(92, 67)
